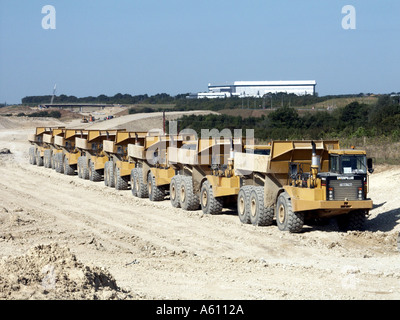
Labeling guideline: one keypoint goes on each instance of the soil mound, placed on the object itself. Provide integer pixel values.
(53, 272)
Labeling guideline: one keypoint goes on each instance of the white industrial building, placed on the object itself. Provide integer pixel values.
(258, 89)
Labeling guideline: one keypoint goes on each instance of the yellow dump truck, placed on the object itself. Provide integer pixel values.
(204, 173)
(298, 180)
(91, 163)
(152, 174)
(67, 154)
(117, 170)
(43, 144)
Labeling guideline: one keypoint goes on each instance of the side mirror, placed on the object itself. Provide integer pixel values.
(370, 165)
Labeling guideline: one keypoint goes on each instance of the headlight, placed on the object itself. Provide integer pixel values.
(330, 193)
(360, 193)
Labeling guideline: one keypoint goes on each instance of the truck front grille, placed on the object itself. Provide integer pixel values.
(345, 189)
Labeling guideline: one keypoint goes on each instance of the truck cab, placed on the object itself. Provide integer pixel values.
(347, 178)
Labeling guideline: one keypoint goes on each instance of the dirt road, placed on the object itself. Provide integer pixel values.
(155, 251)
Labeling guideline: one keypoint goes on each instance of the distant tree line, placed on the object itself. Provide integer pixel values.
(181, 103)
(354, 120)
(116, 99)
(41, 114)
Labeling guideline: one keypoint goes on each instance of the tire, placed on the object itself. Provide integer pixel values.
(155, 193)
(85, 168)
(188, 200)
(53, 163)
(79, 168)
(140, 186)
(259, 214)
(32, 157)
(94, 174)
(106, 165)
(209, 203)
(121, 183)
(133, 182)
(286, 219)
(58, 163)
(47, 158)
(174, 191)
(39, 159)
(110, 175)
(243, 202)
(68, 170)
(353, 221)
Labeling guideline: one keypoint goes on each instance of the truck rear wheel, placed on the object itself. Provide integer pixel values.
(353, 221)
(133, 182)
(209, 203)
(58, 161)
(187, 198)
(286, 219)
(80, 168)
(39, 159)
(155, 193)
(68, 169)
(110, 174)
(121, 183)
(259, 214)
(53, 163)
(243, 201)
(32, 157)
(140, 186)
(47, 158)
(174, 191)
(94, 175)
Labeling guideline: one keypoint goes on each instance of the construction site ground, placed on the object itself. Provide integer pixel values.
(61, 236)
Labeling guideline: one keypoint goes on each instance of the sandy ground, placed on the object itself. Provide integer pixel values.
(60, 234)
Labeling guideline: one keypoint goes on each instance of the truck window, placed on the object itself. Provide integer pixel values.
(334, 162)
(354, 164)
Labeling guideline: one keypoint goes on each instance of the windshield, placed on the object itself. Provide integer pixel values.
(348, 164)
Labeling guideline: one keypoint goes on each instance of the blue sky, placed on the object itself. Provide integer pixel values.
(179, 46)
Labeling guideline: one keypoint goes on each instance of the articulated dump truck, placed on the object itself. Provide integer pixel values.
(298, 180)
(204, 173)
(41, 152)
(289, 182)
(139, 160)
(93, 159)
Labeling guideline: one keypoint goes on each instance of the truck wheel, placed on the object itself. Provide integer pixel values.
(110, 175)
(243, 202)
(39, 159)
(94, 174)
(188, 200)
(79, 167)
(209, 203)
(121, 183)
(286, 219)
(174, 191)
(155, 193)
(68, 170)
(53, 163)
(353, 221)
(133, 182)
(85, 168)
(106, 165)
(259, 214)
(47, 158)
(140, 186)
(58, 160)
(32, 157)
